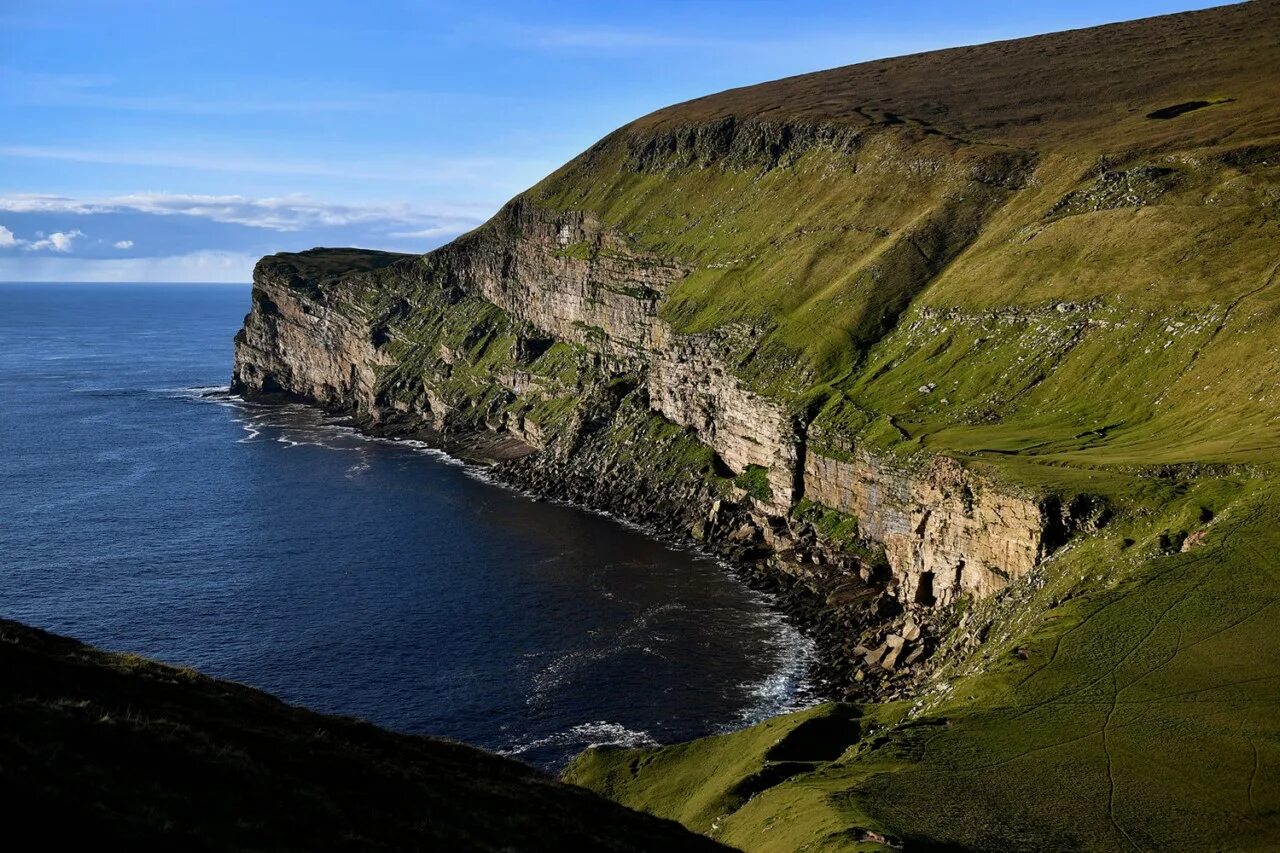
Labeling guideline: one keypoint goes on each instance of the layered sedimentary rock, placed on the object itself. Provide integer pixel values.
(567, 275)
(945, 531)
(299, 343)
(350, 341)
(690, 384)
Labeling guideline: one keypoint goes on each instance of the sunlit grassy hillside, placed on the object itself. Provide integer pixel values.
(1058, 260)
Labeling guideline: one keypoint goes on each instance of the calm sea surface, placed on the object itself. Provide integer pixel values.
(276, 547)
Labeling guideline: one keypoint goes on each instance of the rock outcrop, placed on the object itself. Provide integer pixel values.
(301, 340)
(946, 532)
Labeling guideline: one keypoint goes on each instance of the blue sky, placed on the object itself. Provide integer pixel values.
(181, 140)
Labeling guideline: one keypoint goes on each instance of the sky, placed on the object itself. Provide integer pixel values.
(181, 140)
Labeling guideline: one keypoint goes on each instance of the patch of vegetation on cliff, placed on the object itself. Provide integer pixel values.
(468, 356)
(835, 526)
(117, 751)
(754, 480)
(317, 267)
(576, 251)
(660, 450)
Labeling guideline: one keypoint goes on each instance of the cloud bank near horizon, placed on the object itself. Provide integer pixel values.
(176, 237)
(190, 268)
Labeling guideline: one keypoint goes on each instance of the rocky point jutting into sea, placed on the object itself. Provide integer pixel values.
(969, 355)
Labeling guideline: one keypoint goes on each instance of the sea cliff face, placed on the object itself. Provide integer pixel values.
(544, 328)
(307, 344)
(945, 531)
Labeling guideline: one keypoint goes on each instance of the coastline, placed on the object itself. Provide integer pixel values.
(790, 686)
(830, 622)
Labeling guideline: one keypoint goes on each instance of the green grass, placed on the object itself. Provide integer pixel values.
(1143, 716)
(754, 480)
(835, 526)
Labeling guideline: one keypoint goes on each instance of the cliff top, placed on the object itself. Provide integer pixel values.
(1166, 80)
(320, 263)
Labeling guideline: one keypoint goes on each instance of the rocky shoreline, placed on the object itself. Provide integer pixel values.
(535, 342)
(868, 647)
(841, 602)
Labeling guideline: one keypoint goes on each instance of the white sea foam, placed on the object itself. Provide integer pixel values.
(787, 687)
(585, 736)
(320, 432)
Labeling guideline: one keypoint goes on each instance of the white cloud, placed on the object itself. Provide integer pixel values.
(123, 244)
(58, 241)
(211, 266)
(287, 213)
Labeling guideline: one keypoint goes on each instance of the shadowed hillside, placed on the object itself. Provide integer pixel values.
(124, 753)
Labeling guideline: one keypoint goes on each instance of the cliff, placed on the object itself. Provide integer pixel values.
(117, 751)
(931, 345)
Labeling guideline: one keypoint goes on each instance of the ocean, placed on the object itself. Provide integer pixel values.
(143, 511)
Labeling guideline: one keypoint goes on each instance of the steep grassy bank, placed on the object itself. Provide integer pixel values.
(972, 352)
(117, 751)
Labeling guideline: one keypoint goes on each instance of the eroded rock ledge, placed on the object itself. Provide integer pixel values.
(544, 327)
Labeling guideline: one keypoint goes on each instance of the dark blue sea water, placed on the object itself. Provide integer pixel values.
(278, 548)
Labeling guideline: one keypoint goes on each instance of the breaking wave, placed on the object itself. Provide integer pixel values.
(583, 736)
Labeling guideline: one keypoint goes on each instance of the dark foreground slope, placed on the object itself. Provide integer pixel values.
(126, 754)
(974, 352)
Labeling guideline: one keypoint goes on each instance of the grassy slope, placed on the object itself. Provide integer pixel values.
(825, 254)
(1142, 717)
(1109, 326)
(129, 753)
